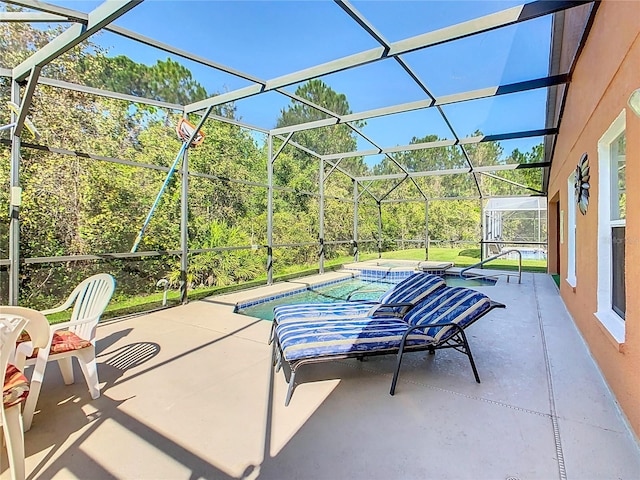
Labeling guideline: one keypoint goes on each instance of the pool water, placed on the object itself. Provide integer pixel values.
(338, 292)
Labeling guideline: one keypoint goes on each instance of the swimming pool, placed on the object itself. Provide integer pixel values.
(338, 291)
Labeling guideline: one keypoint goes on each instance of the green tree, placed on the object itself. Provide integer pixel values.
(221, 268)
(77, 205)
(321, 140)
(300, 169)
(166, 80)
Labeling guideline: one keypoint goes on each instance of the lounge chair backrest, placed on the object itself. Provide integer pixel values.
(458, 305)
(413, 288)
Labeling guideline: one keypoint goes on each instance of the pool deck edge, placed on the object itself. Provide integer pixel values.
(278, 288)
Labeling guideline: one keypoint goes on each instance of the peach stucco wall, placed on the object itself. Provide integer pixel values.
(606, 73)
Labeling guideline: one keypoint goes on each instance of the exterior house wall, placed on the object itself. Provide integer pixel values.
(606, 73)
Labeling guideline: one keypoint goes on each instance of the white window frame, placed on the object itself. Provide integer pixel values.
(571, 231)
(607, 316)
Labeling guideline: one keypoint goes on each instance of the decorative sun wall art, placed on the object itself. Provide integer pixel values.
(582, 183)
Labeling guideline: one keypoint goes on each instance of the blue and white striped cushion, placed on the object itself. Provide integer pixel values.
(305, 339)
(313, 339)
(412, 290)
(284, 313)
(458, 305)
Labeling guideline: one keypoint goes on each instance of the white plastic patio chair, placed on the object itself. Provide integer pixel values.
(15, 385)
(75, 338)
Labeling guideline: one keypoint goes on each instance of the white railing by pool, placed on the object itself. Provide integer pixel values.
(487, 260)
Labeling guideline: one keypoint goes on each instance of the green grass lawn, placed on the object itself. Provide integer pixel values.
(458, 256)
(464, 258)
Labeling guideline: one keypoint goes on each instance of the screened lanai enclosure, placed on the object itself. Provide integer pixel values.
(328, 131)
(515, 223)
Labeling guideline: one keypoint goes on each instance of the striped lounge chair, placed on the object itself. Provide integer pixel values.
(438, 321)
(395, 302)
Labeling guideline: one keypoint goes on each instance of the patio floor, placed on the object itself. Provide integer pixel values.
(189, 393)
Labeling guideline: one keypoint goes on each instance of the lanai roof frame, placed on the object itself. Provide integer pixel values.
(86, 24)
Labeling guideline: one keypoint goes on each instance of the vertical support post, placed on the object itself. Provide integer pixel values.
(426, 229)
(270, 211)
(539, 226)
(184, 228)
(321, 219)
(356, 253)
(482, 230)
(14, 206)
(487, 231)
(379, 229)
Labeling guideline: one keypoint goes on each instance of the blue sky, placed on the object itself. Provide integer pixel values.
(272, 38)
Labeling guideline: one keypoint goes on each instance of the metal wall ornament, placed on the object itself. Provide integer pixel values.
(581, 183)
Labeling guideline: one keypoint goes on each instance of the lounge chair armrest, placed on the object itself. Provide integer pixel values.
(456, 326)
(440, 326)
(390, 309)
(397, 304)
(427, 326)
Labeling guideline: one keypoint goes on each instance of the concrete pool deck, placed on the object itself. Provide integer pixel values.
(189, 392)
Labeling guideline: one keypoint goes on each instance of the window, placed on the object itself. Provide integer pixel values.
(618, 223)
(611, 228)
(571, 231)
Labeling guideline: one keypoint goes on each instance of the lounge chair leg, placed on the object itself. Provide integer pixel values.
(468, 352)
(274, 354)
(278, 359)
(292, 384)
(396, 374)
(432, 351)
(272, 332)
